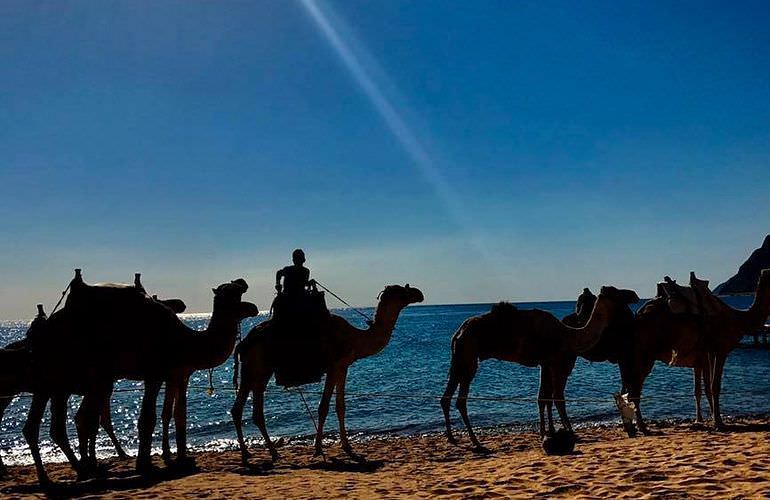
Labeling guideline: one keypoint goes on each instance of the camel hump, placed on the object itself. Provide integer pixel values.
(503, 308)
(108, 301)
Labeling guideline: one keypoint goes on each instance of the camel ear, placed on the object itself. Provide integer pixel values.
(214, 290)
(407, 286)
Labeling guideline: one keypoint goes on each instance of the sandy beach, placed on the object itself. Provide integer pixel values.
(679, 460)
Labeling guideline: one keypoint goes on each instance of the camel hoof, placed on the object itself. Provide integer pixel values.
(451, 439)
(481, 450)
(274, 456)
(146, 468)
(318, 451)
(167, 457)
(122, 455)
(184, 463)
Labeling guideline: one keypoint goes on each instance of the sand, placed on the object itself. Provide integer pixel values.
(679, 460)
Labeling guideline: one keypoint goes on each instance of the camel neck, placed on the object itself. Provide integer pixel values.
(212, 346)
(589, 334)
(374, 340)
(755, 316)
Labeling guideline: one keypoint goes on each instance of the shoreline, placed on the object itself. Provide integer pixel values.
(680, 458)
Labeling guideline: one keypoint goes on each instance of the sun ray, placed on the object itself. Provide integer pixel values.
(362, 69)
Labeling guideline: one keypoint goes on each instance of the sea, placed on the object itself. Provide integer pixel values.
(397, 391)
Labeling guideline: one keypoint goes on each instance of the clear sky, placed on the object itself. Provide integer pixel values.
(479, 150)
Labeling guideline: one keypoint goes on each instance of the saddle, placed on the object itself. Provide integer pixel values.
(84, 296)
(299, 309)
(694, 299)
(302, 324)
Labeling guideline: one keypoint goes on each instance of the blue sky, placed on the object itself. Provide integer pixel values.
(479, 150)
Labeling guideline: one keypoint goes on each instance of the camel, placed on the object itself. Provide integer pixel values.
(108, 332)
(616, 344)
(87, 444)
(531, 338)
(343, 344)
(725, 330)
(13, 381)
(692, 341)
(621, 344)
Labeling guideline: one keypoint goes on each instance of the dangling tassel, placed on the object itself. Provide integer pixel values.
(211, 382)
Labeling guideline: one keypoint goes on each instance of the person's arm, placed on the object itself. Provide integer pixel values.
(278, 280)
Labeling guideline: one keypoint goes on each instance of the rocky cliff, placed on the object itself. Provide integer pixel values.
(745, 281)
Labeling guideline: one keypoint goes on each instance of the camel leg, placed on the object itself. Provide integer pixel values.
(627, 375)
(147, 421)
(559, 381)
(462, 403)
(340, 408)
(707, 385)
(180, 423)
(58, 430)
(641, 372)
(4, 402)
(323, 410)
(87, 425)
(237, 413)
(105, 419)
(545, 402)
(258, 416)
(446, 402)
(165, 419)
(462, 407)
(716, 389)
(32, 434)
(698, 376)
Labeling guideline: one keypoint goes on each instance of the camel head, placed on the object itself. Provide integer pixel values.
(610, 306)
(227, 297)
(401, 295)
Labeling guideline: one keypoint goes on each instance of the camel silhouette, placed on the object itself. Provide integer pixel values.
(531, 338)
(14, 380)
(342, 345)
(698, 342)
(108, 332)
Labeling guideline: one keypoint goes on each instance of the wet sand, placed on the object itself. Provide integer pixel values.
(678, 460)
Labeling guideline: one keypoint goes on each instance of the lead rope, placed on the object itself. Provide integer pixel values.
(343, 301)
(62, 297)
(235, 358)
(210, 390)
(312, 419)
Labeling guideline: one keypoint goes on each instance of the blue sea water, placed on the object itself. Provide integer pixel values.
(413, 365)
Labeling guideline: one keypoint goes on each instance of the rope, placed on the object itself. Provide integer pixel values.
(394, 395)
(61, 298)
(361, 313)
(312, 419)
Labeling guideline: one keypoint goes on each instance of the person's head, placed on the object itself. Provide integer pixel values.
(298, 257)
